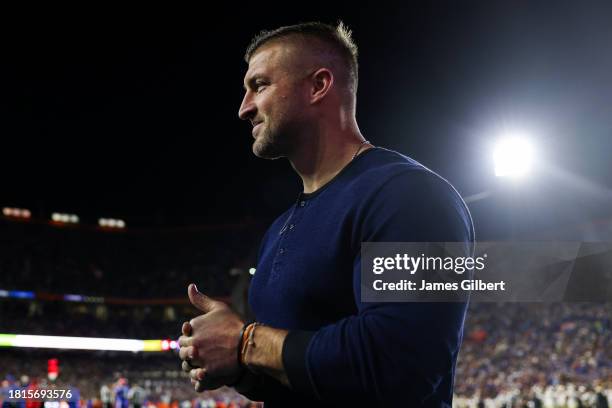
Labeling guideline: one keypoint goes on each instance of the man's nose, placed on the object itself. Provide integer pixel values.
(247, 108)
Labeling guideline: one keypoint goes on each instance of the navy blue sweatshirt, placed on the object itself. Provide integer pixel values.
(340, 350)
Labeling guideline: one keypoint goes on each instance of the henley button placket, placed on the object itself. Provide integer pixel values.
(278, 259)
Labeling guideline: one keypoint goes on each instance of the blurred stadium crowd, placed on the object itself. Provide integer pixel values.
(117, 380)
(156, 263)
(551, 355)
(513, 355)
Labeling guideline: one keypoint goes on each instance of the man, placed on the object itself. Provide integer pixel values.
(137, 396)
(317, 343)
(120, 392)
(106, 396)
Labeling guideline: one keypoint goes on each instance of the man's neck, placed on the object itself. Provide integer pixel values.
(325, 156)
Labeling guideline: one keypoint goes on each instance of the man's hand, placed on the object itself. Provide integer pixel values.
(208, 346)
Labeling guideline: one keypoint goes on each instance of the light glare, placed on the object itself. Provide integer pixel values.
(513, 157)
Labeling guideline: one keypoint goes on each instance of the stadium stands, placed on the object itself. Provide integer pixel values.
(551, 355)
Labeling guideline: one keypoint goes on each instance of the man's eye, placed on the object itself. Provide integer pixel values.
(259, 87)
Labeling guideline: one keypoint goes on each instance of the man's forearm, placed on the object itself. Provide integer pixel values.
(266, 352)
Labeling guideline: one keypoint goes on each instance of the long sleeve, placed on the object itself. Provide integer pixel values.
(390, 352)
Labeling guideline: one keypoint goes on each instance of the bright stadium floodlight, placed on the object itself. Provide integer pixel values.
(252, 271)
(513, 157)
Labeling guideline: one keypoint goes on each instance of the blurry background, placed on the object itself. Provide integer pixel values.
(135, 119)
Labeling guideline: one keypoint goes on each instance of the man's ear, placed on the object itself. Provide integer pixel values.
(322, 81)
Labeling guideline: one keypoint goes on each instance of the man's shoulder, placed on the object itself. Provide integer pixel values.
(386, 168)
(414, 202)
(395, 178)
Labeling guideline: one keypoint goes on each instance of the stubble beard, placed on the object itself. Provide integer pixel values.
(271, 144)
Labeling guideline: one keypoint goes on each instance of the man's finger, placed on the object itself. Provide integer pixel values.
(185, 341)
(197, 374)
(198, 386)
(199, 300)
(203, 382)
(186, 329)
(207, 384)
(187, 366)
(187, 353)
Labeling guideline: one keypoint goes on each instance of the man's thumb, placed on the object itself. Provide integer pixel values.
(199, 300)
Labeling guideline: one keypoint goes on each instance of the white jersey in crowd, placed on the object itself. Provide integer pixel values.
(106, 394)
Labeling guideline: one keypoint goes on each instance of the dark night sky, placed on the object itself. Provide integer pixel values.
(138, 118)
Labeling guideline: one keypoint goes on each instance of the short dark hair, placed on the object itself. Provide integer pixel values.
(338, 38)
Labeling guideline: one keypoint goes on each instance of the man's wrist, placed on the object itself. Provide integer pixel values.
(241, 343)
(243, 370)
(265, 350)
(264, 353)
